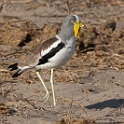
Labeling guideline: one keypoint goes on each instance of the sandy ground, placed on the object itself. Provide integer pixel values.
(89, 88)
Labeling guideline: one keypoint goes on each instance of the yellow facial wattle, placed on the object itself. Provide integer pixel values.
(77, 27)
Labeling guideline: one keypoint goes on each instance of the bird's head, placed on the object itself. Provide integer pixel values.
(74, 22)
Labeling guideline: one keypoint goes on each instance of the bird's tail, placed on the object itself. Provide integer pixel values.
(18, 72)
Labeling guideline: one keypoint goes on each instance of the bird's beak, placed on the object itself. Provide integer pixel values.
(77, 26)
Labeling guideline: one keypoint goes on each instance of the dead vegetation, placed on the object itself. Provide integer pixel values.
(4, 109)
(75, 122)
(100, 48)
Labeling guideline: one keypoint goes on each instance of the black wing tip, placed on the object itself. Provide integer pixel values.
(16, 74)
(13, 65)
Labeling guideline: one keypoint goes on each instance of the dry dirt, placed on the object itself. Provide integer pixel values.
(89, 88)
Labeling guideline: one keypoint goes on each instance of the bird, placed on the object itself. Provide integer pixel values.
(52, 53)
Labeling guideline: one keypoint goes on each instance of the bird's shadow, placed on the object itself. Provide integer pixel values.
(112, 103)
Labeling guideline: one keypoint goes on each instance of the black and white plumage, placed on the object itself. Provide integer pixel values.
(53, 53)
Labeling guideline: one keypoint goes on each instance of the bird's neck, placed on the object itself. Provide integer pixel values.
(69, 42)
(66, 34)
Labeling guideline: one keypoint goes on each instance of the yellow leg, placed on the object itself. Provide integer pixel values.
(47, 92)
(51, 81)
